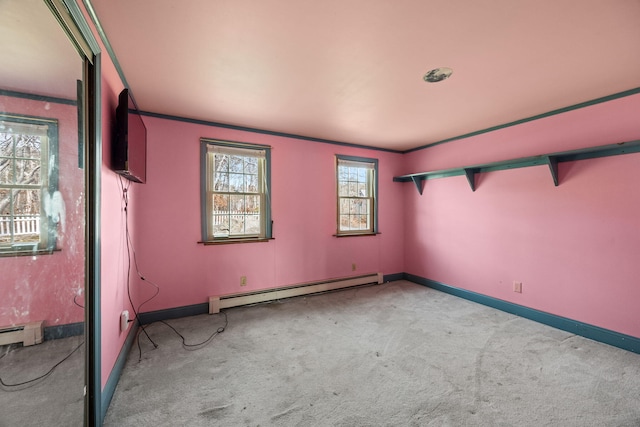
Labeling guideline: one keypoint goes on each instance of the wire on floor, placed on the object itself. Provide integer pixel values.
(11, 386)
(199, 345)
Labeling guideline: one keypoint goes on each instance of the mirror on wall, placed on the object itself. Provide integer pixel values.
(42, 220)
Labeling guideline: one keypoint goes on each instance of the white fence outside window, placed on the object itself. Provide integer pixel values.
(22, 225)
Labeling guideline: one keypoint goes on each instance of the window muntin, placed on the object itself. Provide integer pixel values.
(26, 181)
(356, 189)
(236, 191)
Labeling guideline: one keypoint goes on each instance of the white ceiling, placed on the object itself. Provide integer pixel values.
(352, 70)
(36, 55)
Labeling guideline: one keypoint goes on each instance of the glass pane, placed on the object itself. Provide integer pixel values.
(5, 229)
(236, 163)
(353, 174)
(362, 190)
(6, 171)
(26, 202)
(252, 224)
(343, 173)
(353, 189)
(28, 146)
(6, 145)
(362, 175)
(344, 222)
(236, 182)
(5, 201)
(221, 163)
(28, 172)
(220, 225)
(236, 203)
(237, 224)
(221, 182)
(251, 183)
(344, 206)
(362, 221)
(252, 204)
(251, 165)
(220, 203)
(343, 189)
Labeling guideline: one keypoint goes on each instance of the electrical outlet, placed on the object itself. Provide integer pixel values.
(243, 281)
(517, 287)
(124, 320)
(353, 267)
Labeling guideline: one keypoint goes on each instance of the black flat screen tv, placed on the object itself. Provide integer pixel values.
(129, 149)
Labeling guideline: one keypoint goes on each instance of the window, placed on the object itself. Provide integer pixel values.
(235, 185)
(357, 195)
(28, 183)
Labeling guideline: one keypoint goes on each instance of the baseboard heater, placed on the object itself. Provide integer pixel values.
(234, 300)
(27, 334)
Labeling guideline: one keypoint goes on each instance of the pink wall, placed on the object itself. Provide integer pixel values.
(303, 211)
(574, 247)
(43, 287)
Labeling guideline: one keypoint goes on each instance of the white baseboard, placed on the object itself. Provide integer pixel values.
(218, 302)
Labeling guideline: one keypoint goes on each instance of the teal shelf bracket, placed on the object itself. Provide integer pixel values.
(419, 182)
(471, 177)
(552, 161)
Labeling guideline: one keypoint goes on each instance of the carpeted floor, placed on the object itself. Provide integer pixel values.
(397, 354)
(57, 399)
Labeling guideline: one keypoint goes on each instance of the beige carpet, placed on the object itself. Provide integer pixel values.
(397, 354)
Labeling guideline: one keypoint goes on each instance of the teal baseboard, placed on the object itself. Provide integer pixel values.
(596, 333)
(392, 277)
(110, 387)
(173, 313)
(63, 331)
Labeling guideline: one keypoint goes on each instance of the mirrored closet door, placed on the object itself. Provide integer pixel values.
(42, 220)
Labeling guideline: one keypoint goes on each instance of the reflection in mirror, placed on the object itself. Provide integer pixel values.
(42, 221)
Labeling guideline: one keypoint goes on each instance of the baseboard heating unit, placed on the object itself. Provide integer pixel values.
(27, 334)
(234, 300)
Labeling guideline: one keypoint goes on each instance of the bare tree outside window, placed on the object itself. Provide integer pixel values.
(236, 191)
(356, 195)
(23, 178)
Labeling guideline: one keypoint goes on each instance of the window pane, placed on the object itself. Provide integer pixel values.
(362, 175)
(220, 203)
(252, 224)
(353, 189)
(27, 172)
(6, 145)
(251, 183)
(237, 224)
(252, 204)
(236, 163)
(221, 163)
(251, 165)
(362, 190)
(26, 202)
(5, 228)
(221, 224)
(236, 182)
(28, 146)
(236, 203)
(6, 171)
(221, 182)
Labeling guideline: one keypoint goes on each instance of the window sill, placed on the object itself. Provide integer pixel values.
(15, 253)
(232, 241)
(355, 234)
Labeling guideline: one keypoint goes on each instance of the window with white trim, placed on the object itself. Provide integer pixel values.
(235, 185)
(357, 195)
(28, 181)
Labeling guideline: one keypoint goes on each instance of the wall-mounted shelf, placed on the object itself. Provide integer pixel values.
(551, 160)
